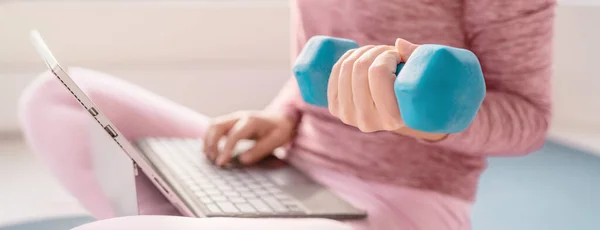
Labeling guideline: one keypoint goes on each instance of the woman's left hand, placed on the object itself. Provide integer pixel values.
(361, 87)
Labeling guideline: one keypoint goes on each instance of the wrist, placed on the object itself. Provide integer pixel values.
(430, 137)
(283, 119)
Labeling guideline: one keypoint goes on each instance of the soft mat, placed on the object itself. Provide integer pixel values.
(556, 188)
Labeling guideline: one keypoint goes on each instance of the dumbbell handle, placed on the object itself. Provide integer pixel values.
(398, 69)
(324, 97)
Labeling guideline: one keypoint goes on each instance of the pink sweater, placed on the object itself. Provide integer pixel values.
(512, 39)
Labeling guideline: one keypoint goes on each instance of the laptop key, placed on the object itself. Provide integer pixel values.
(200, 194)
(231, 194)
(207, 186)
(274, 190)
(219, 198)
(241, 188)
(229, 177)
(213, 208)
(254, 186)
(261, 192)
(212, 192)
(295, 209)
(289, 203)
(275, 204)
(247, 180)
(220, 183)
(246, 208)
(238, 200)
(248, 195)
(225, 187)
(260, 205)
(227, 207)
(261, 179)
(282, 197)
(206, 200)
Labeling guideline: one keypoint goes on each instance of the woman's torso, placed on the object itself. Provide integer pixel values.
(325, 142)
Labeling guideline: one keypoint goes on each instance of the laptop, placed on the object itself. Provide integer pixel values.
(198, 188)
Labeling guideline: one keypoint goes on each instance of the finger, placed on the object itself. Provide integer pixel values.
(405, 48)
(208, 146)
(214, 133)
(345, 101)
(366, 113)
(382, 75)
(263, 147)
(332, 87)
(243, 129)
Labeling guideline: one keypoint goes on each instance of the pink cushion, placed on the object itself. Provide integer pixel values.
(185, 223)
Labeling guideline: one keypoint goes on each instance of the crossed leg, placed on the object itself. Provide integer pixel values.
(57, 129)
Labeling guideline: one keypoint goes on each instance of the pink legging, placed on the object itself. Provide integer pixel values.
(57, 129)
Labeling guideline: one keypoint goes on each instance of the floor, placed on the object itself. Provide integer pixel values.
(555, 188)
(28, 191)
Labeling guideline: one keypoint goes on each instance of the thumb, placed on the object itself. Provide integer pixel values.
(262, 148)
(405, 48)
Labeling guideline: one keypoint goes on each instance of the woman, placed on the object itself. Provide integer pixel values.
(405, 179)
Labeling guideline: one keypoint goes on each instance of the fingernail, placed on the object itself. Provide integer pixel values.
(243, 159)
(221, 160)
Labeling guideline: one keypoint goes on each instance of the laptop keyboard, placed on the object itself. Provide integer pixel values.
(223, 192)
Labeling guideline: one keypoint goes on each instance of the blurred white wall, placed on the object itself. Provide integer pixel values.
(576, 82)
(235, 53)
(226, 54)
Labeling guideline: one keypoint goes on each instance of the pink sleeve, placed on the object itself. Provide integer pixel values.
(513, 41)
(287, 101)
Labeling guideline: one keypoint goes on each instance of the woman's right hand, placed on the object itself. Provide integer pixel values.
(269, 130)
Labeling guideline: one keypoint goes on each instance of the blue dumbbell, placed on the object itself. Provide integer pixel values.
(439, 89)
